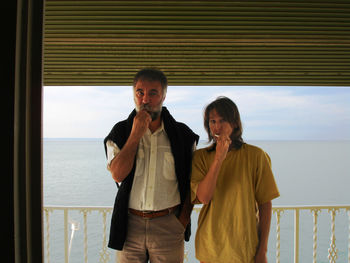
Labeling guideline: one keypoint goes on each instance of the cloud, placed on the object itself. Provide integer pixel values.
(176, 94)
(84, 111)
(267, 112)
(291, 112)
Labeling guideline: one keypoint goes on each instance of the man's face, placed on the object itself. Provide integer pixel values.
(148, 95)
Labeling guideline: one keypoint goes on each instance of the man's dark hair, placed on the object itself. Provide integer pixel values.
(152, 74)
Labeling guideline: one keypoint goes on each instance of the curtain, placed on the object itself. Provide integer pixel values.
(27, 134)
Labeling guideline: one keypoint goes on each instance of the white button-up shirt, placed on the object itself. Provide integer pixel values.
(155, 185)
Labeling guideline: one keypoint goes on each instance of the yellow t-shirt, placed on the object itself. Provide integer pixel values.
(227, 226)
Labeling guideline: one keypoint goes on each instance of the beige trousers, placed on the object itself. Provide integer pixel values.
(158, 240)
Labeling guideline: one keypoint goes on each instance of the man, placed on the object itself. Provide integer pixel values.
(149, 156)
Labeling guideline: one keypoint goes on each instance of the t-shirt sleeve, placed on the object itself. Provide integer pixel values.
(265, 184)
(199, 170)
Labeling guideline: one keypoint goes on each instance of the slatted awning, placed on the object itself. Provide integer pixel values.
(106, 42)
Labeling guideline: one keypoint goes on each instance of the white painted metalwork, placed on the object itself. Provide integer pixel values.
(296, 235)
(333, 251)
(315, 212)
(105, 254)
(85, 211)
(348, 210)
(66, 254)
(278, 234)
(47, 237)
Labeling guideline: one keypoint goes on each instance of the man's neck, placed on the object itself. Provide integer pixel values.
(154, 125)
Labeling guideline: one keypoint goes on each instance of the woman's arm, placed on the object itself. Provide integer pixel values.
(265, 211)
(206, 187)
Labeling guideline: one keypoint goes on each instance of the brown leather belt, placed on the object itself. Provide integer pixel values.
(153, 214)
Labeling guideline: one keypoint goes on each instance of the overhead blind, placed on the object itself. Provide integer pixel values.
(105, 42)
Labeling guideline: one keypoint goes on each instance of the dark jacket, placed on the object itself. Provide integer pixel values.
(181, 139)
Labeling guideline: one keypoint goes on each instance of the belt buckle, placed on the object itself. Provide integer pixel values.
(145, 213)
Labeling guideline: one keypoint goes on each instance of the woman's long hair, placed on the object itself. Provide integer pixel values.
(228, 110)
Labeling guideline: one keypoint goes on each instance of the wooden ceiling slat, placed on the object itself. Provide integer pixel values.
(198, 42)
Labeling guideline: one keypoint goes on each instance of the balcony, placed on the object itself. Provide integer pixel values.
(298, 234)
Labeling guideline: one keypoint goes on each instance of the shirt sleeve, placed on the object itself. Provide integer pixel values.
(199, 170)
(112, 151)
(194, 147)
(265, 184)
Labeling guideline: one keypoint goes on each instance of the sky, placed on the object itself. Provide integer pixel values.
(267, 113)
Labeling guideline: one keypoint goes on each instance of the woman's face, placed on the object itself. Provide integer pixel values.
(218, 126)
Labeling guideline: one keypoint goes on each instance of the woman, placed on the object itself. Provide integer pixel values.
(234, 182)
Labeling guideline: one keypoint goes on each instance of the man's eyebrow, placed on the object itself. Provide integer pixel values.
(152, 90)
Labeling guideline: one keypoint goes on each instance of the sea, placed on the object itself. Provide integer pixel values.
(306, 172)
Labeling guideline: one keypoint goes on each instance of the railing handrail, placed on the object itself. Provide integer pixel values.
(76, 207)
(308, 207)
(285, 207)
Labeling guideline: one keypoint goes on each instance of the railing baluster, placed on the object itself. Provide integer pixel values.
(47, 218)
(65, 215)
(104, 254)
(186, 255)
(278, 233)
(85, 211)
(332, 251)
(348, 210)
(296, 235)
(315, 212)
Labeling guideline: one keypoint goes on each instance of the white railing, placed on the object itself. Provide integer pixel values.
(104, 253)
(315, 210)
(102, 216)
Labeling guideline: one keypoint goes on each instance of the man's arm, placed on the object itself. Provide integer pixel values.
(265, 211)
(185, 215)
(123, 162)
